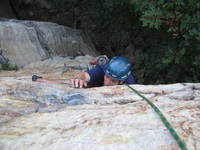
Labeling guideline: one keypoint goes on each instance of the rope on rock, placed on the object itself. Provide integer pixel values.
(164, 120)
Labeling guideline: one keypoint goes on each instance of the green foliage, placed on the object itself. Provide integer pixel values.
(178, 59)
(167, 33)
(7, 66)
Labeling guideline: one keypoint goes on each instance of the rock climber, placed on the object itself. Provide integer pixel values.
(114, 72)
(117, 71)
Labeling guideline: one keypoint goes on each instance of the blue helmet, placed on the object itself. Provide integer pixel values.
(118, 68)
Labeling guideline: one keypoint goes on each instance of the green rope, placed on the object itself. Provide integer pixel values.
(164, 120)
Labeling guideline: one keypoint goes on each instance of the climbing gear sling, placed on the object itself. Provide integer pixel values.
(164, 120)
(101, 61)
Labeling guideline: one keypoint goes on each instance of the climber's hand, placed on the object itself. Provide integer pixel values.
(78, 83)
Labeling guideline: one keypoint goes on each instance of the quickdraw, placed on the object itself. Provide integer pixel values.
(164, 120)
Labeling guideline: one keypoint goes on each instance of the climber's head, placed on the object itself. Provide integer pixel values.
(117, 71)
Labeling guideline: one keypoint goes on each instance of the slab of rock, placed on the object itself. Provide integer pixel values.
(44, 116)
(24, 42)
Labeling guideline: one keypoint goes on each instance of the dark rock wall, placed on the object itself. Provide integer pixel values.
(39, 11)
(6, 10)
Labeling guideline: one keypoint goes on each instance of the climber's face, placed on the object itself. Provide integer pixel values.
(108, 81)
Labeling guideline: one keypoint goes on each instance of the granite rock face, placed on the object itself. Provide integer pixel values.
(24, 42)
(40, 116)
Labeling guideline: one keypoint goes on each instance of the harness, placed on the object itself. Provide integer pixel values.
(101, 60)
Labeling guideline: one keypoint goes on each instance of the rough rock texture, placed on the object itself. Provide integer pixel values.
(24, 42)
(38, 116)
